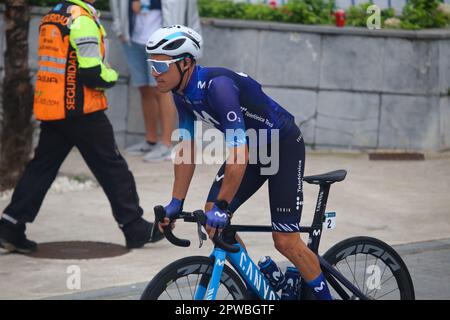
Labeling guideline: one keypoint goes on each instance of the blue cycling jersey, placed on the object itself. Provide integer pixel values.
(229, 101)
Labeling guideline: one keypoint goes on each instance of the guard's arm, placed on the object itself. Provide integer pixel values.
(85, 37)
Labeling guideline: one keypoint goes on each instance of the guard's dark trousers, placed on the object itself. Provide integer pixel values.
(93, 135)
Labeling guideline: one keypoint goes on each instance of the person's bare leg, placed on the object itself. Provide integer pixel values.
(150, 111)
(166, 107)
(295, 250)
(292, 247)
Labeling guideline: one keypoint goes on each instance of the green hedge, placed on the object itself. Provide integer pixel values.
(295, 11)
(417, 14)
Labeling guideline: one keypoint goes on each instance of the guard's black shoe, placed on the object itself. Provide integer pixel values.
(138, 233)
(13, 238)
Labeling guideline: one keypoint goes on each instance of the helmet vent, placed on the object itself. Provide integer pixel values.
(157, 45)
(175, 44)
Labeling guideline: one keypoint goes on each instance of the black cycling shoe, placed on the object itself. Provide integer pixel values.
(13, 238)
(138, 233)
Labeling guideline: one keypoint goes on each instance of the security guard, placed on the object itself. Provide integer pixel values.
(70, 102)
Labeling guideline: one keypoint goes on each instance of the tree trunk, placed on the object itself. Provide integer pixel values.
(17, 129)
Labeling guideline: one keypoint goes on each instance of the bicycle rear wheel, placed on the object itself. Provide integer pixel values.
(373, 267)
(181, 279)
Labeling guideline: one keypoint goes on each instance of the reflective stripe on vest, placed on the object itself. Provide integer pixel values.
(53, 59)
(52, 70)
(58, 91)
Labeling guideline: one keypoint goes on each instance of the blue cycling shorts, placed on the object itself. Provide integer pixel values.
(285, 186)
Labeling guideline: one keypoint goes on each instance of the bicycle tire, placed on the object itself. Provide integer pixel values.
(379, 249)
(196, 265)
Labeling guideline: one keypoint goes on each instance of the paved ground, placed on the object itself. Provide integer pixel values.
(398, 202)
(428, 263)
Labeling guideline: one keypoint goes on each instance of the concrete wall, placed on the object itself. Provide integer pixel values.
(348, 88)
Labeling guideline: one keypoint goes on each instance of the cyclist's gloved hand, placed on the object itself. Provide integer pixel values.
(174, 208)
(217, 218)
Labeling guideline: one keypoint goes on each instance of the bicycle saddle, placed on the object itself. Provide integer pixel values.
(326, 178)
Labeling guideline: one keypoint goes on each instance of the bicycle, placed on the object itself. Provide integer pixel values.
(216, 280)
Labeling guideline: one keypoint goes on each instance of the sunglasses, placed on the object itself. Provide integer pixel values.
(162, 66)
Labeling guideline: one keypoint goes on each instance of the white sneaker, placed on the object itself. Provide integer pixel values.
(160, 153)
(140, 148)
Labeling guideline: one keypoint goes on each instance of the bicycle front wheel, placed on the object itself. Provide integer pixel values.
(373, 267)
(181, 279)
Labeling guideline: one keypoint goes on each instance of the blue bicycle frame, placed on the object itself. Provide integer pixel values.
(246, 268)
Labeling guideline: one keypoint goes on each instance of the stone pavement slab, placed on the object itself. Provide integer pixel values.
(398, 202)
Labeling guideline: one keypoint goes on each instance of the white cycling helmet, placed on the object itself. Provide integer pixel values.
(175, 41)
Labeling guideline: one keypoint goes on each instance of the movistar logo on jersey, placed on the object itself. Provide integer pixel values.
(202, 84)
(206, 117)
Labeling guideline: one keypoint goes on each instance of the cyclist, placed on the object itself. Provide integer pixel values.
(234, 101)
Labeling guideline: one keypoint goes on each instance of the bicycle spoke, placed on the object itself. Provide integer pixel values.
(375, 265)
(340, 271)
(168, 294)
(387, 293)
(382, 275)
(365, 268)
(181, 296)
(196, 283)
(354, 278)
(367, 289)
(190, 289)
(381, 284)
(336, 266)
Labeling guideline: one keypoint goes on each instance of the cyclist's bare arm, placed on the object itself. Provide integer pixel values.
(234, 172)
(183, 171)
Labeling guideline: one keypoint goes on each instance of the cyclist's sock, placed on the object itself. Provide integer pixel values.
(320, 288)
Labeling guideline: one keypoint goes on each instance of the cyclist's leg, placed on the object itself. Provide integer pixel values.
(251, 182)
(286, 202)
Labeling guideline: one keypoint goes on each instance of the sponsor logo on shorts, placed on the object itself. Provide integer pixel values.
(299, 177)
(284, 210)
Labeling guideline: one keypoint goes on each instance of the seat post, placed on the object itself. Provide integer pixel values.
(317, 225)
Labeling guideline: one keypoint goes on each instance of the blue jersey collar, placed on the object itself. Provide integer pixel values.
(192, 84)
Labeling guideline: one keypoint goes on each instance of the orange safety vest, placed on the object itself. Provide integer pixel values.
(58, 93)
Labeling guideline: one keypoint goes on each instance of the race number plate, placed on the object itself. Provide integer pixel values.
(330, 220)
